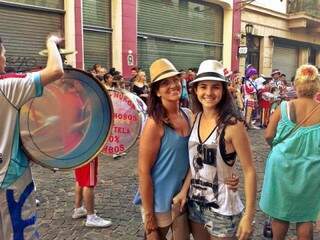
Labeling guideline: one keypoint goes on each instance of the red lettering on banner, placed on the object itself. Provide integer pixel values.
(125, 116)
(124, 98)
(123, 130)
(115, 149)
(113, 138)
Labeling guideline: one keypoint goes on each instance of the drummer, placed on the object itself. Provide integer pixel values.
(17, 196)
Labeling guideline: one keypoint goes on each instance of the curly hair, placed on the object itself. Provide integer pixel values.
(228, 112)
(307, 82)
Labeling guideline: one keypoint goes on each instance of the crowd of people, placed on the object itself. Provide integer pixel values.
(225, 104)
(205, 187)
(197, 120)
(255, 96)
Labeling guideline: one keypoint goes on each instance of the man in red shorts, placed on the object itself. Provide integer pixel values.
(86, 180)
(86, 176)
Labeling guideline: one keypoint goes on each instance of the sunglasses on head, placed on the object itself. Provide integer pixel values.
(169, 81)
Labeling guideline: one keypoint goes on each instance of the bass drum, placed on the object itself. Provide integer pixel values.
(69, 125)
(141, 106)
(126, 123)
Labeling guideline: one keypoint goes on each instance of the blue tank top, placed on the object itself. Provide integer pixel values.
(169, 170)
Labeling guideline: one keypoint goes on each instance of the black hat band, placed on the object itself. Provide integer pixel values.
(165, 72)
(210, 74)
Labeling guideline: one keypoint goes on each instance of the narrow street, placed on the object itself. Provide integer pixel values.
(114, 193)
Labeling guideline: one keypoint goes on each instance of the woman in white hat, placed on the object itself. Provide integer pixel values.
(163, 156)
(217, 137)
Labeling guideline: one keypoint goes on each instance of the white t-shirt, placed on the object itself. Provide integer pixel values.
(15, 91)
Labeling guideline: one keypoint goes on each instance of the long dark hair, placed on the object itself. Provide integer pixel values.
(228, 112)
(155, 107)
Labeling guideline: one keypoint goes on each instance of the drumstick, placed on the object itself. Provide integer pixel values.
(49, 121)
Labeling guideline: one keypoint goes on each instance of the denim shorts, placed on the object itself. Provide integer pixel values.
(216, 224)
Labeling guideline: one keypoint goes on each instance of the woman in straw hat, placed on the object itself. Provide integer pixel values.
(217, 137)
(163, 156)
(290, 191)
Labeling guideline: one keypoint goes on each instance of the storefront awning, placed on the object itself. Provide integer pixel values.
(294, 43)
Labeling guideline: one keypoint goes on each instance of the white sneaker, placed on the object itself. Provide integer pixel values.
(79, 213)
(96, 221)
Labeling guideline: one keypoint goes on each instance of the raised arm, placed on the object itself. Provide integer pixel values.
(54, 69)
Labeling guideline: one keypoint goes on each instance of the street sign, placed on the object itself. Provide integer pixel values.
(242, 50)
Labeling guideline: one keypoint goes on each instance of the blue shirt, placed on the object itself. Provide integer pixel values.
(169, 170)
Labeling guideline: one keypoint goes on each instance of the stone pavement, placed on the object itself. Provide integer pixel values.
(114, 193)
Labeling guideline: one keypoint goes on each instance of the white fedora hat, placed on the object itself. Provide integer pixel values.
(210, 70)
(161, 69)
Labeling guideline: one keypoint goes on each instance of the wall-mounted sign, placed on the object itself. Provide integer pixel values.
(130, 59)
(242, 50)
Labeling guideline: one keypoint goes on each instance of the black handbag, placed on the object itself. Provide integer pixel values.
(267, 229)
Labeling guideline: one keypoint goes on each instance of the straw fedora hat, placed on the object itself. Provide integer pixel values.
(210, 70)
(162, 68)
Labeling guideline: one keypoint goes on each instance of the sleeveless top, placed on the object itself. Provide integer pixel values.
(210, 165)
(291, 186)
(169, 169)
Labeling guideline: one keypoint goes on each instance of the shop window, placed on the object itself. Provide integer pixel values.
(253, 54)
(312, 56)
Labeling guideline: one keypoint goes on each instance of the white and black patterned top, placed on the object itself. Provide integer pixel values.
(210, 165)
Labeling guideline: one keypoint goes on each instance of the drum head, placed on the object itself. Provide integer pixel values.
(68, 126)
(141, 106)
(126, 123)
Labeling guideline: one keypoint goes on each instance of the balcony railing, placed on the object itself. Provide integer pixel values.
(309, 7)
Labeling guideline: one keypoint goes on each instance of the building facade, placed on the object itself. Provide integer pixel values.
(119, 33)
(24, 25)
(285, 35)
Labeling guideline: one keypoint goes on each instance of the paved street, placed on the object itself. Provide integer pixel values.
(114, 193)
